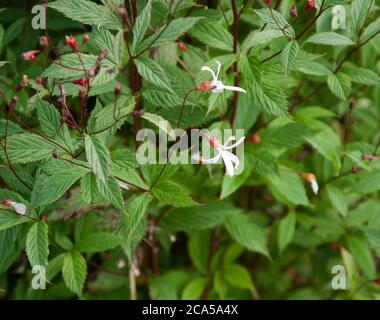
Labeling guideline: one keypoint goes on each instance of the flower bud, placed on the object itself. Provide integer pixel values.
(44, 42)
(82, 82)
(369, 157)
(85, 38)
(255, 139)
(117, 89)
(123, 14)
(309, 177)
(267, 1)
(377, 281)
(181, 46)
(62, 90)
(54, 154)
(204, 86)
(30, 55)
(44, 218)
(355, 169)
(39, 80)
(23, 83)
(71, 42)
(12, 105)
(293, 11)
(103, 54)
(310, 5)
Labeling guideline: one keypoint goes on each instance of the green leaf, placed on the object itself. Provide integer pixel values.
(330, 38)
(199, 218)
(363, 257)
(199, 247)
(133, 222)
(247, 233)
(88, 12)
(289, 55)
(172, 194)
(276, 21)
(160, 122)
(371, 31)
(104, 39)
(141, 26)
(286, 230)
(373, 236)
(37, 244)
(194, 289)
(238, 276)
(339, 85)
(231, 184)
(110, 190)
(98, 242)
(337, 199)
(50, 121)
(359, 12)
(57, 178)
(171, 32)
(26, 147)
(74, 271)
(152, 71)
(368, 182)
(289, 185)
(213, 35)
(255, 38)
(10, 219)
(362, 75)
(98, 157)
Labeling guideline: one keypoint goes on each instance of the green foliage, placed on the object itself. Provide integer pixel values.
(76, 199)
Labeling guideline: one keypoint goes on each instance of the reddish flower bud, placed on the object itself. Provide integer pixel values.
(54, 154)
(255, 139)
(23, 83)
(6, 202)
(30, 55)
(293, 11)
(267, 1)
(377, 281)
(71, 42)
(310, 5)
(44, 42)
(82, 82)
(62, 90)
(85, 38)
(369, 157)
(39, 80)
(355, 169)
(44, 218)
(181, 46)
(117, 89)
(204, 86)
(103, 54)
(12, 105)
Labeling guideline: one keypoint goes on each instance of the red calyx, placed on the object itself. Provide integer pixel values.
(310, 5)
(377, 281)
(82, 82)
(71, 42)
(213, 141)
(30, 55)
(43, 218)
(255, 139)
(267, 1)
(181, 46)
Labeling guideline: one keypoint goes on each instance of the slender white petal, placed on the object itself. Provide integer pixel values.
(232, 157)
(20, 208)
(212, 160)
(205, 68)
(218, 69)
(229, 140)
(218, 89)
(228, 163)
(233, 88)
(314, 186)
(240, 141)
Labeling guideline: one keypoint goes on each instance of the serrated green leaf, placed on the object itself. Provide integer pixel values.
(286, 230)
(141, 26)
(110, 190)
(98, 242)
(173, 194)
(289, 55)
(160, 122)
(37, 244)
(371, 31)
(152, 71)
(133, 222)
(247, 233)
(359, 12)
(74, 271)
(87, 12)
(194, 289)
(276, 21)
(330, 38)
(238, 276)
(339, 85)
(98, 157)
(10, 219)
(199, 218)
(337, 199)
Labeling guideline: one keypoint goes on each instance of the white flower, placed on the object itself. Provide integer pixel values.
(219, 87)
(230, 160)
(20, 208)
(309, 177)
